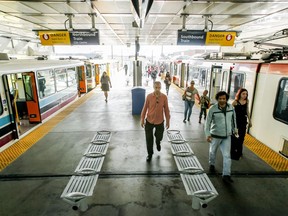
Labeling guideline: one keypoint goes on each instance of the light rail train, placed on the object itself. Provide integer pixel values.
(267, 84)
(32, 90)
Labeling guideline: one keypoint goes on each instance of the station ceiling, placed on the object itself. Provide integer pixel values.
(155, 22)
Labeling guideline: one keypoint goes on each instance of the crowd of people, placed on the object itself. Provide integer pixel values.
(225, 123)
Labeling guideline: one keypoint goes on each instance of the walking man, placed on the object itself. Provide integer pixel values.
(220, 124)
(155, 106)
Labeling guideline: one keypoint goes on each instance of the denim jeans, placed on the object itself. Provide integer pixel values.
(225, 146)
(188, 109)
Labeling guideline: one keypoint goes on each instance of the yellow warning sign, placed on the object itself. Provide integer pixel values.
(220, 38)
(50, 38)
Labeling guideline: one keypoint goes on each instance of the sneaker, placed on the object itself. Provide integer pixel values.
(227, 179)
(158, 146)
(184, 120)
(188, 119)
(212, 169)
(148, 158)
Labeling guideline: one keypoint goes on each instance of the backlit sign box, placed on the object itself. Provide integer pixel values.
(191, 37)
(84, 37)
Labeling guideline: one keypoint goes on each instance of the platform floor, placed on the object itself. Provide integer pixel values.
(128, 185)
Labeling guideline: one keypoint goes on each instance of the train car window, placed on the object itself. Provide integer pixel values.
(88, 71)
(193, 74)
(224, 81)
(280, 112)
(46, 83)
(237, 82)
(28, 87)
(61, 79)
(71, 73)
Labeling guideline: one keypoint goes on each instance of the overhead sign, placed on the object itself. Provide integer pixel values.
(202, 38)
(50, 38)
(84, 37)
(191, 37)
(220, 38)
(76, 37)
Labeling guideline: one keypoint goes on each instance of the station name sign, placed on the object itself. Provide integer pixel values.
(76, 37)
(202, 38)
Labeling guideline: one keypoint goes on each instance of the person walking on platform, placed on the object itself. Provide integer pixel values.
(204, 105)
(154, 75)
(241, 106)
(126, 69)
(220, 124)
(167, 82)
(105, 83)
(189, 99)
(156, 104)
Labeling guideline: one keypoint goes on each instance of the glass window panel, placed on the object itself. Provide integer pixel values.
(281, 104)
(61, 79)
(237, 82)
(46, 83)
(71, 73)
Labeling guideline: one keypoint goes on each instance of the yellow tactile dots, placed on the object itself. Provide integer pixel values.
(13, 152)
(272, 158)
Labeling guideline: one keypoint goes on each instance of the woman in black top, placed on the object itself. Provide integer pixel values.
(105, 83)
(241, 106)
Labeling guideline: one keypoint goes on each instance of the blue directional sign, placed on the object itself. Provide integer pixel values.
(191, 37)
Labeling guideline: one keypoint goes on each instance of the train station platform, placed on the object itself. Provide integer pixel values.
(32, 184)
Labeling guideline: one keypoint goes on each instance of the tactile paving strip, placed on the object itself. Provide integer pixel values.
(275, 160)
(18, 148)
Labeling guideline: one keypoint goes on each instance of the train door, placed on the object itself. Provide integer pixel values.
(183, 78)
(97, 74)
(215, 82)
(82, 82)
(90, 75)
(31, 96)
(10, 105)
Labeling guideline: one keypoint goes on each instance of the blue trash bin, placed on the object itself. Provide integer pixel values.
(138, 100)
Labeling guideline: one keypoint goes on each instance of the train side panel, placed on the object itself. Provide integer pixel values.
(265, 127)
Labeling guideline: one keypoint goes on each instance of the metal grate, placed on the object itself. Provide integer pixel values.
(101, 137)
(181, 149)
(175, 136)
(96, 150)
(79, 187)
(199, 185)
(89, 166)
(188, 164)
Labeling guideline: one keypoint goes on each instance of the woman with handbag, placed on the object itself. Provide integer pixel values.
(167, 82)
(189, 100)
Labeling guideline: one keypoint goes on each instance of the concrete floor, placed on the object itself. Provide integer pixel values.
(128, 185)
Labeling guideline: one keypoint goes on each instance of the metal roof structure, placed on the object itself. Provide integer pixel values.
(155, 22)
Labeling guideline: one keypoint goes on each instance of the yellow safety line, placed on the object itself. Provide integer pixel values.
(18, 148)
(275, 160)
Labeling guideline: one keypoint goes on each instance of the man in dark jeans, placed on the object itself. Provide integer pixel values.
(154, 106)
